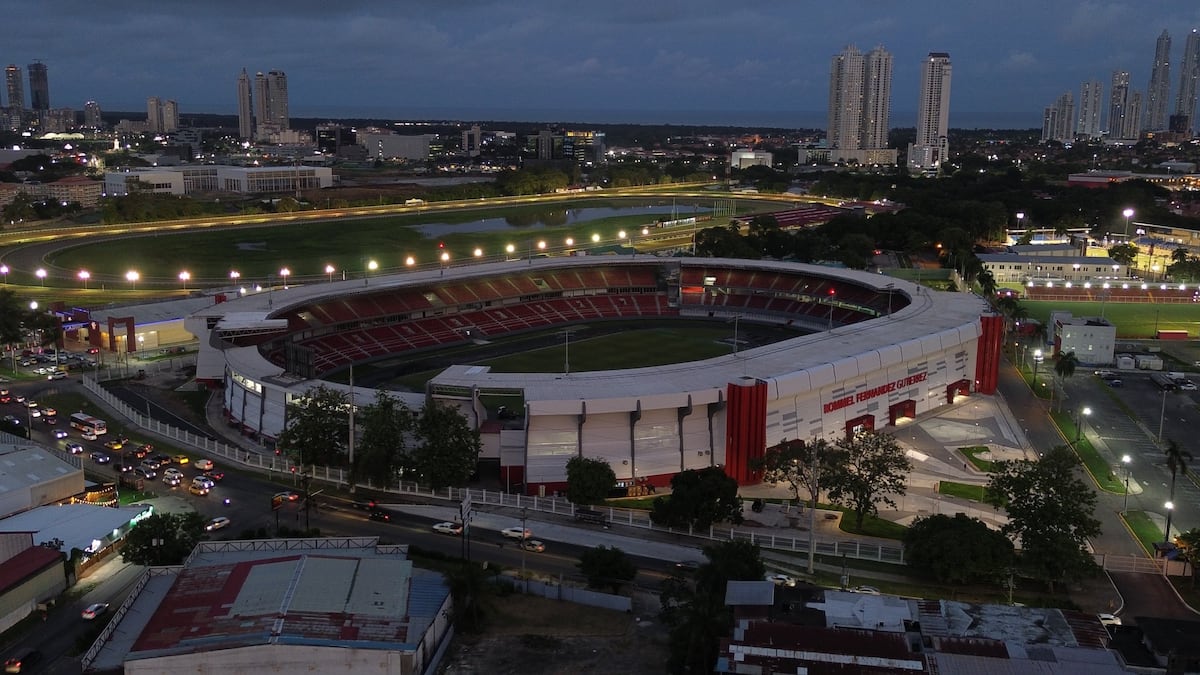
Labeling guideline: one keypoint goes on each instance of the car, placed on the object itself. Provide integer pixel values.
(101, 457)
(114, 444)
(143, 472)
(142, 450)
(287, 496)
(49, 412)
(93, 350)
(532, 545)
(687, 565)
(382, 516)
(122, 467)
(202, 480)
(162, 459)
(1107, 620)
(448, 528)
(218, 523)
(60, 434)
(23, 659)
(1115, 383)
(214, 475)
(1188, 386)
(203, 464)
(172, 471)
(864, 590)
(94, 610)
(5, 398)
(781, 580)
(89, 435)
(35, 413)
(30, 403)
(19, 398)
(516, 533)
(28, 362)
(172, 480)
(50, 420)
(75, 448)
(4, 392)
(181, 459)
(57, 375)
(198, 489)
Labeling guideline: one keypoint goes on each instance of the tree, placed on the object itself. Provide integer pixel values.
(1050, 512)
(957, 549)
(864, 471)
(1180, 255)
(1189, 548)
(317, 428)
(607, 566)
(589, 480)
(798, 464)
(450, 448)
(386, 424)
(1177, 459)
(12, 318)
(467, 582)
(736, 560)
(987, 282)
(1124, 254)
(1064, 368)
(163, 539)
(699, 498)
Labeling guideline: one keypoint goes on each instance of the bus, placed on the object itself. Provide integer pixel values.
(86, 423)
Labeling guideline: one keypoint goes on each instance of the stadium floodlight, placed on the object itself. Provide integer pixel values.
(410, 261)
(132, 277)
(285, 273)
(183, 278)
(595, 238)
(330, 270)
(84, 275)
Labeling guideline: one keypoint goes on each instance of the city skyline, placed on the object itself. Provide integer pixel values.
(607, 62)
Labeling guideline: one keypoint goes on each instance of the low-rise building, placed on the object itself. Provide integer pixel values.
(1092, 338)
(1008, 268)
(192, 179)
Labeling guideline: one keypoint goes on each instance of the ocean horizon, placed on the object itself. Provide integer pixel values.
(766, 119)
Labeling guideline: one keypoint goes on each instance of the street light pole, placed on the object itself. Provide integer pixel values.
(523, 514)
(1128, 213)
(1167, 535)
(1125, 460)
(1079, 428)
(1161, 414)
(1037, 360)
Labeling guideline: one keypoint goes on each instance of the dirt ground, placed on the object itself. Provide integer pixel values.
(536, 636)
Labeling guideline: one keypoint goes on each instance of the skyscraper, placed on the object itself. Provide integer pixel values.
(154, 120)
(39, 86)
(244, 107)
(1058, 120)
(1091, 95)
(933, 114)
(1118, 104)
(170, 116)
(1159, 89)
(1189, 73)
(271, 103)
(16, 89)
(92, 115)
(860, 92)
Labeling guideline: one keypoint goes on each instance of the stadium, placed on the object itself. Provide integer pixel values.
(862, 351)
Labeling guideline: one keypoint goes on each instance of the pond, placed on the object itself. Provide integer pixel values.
(559, 217)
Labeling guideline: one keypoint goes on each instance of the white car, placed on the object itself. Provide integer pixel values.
(218, 523)
(89, 436)
(865, 590)
(1188, 386)
(448, 528)
(57, 375)
(203, 464)
(173, 472)
(516, 533)
(1109, 620)
(781, 580)
(94, 610)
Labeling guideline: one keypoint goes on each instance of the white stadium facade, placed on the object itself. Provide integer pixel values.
(869, 351)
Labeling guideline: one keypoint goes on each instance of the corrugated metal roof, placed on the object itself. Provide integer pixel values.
(77, 525)
(154, 312)
(24, 464)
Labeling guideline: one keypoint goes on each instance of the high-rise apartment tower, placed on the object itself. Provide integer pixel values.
(860, 99)
(933, 115)
(245, 107)
(1091, 97)
(1118, 106)
(1058, 120)
(15, 88)
(39, 86)
(1159, 89)
(271, 102)
(1189, 74)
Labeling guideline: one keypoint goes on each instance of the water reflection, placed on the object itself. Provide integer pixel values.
(550, 218)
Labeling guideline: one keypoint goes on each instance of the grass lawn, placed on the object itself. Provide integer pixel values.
(1133, 320)
(973, 492)
(1096, 465)
(972, 454)
(629, 349)
(306, 247)
(1144, 529)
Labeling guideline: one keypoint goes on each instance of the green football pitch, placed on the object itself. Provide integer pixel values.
(1133, 320)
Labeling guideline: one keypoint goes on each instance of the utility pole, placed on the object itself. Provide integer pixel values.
(812, 512)
(350, 441)
(523, 514)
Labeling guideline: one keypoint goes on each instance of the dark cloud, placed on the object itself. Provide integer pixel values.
(418, 55)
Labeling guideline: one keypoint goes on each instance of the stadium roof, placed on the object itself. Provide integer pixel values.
(155, 312)
(76, 525)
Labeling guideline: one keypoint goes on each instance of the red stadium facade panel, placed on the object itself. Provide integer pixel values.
(745, 429)
(987, 361)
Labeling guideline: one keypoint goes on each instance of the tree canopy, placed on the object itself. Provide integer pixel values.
(957, 549)
(864, 471)
(386, 425)
(699, 498)
(589, 480)
(1050, 513)
(607, 566)
(163, 539)
(449, 448)
(317, 428)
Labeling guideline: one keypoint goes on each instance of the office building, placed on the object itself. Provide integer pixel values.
(1091, 94)
(471, 139)
(1159, 90)
(15, 88)
(933, 115)
(860, 92)
(39, 86)
(1058, 120)
(1118, 104)
(92, 115)
(1189, 73)
(162, 116)
(244, 107)
(270, 103)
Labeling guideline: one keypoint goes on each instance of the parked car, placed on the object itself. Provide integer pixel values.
(1107, 620)
(781, 580)
(94, 610)
(516, 533)
(687, 566)
(532, 545)
(57, 375)
(218, 523)
(448, 528)
(102, 458)
(1115, 383)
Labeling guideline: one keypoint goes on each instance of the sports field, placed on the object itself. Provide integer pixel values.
(1133, 320)
(593, 346)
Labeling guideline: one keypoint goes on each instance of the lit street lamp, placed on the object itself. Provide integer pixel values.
(183, 278)
(1167, 536)
(1128, 213)
(132, 277)
(1037, 360)
(1125, 460)
(329, 270)
(371, 267)
(284, 273)
(4, 271)
(1083, 414)
(234, 275)
(84, 275)
(1020, 218)
(41, 275)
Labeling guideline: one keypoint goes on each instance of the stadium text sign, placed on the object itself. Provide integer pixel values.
(868, 394)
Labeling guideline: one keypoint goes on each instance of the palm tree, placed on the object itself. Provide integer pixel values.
(987, 283)
(1064, 368)
(1177, 459)
(1179, 255)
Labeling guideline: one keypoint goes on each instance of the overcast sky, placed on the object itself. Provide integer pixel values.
(664, 60)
